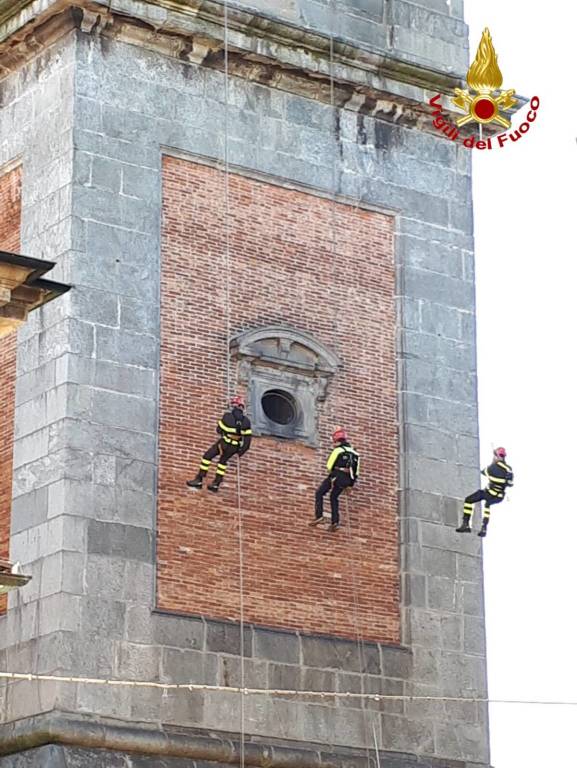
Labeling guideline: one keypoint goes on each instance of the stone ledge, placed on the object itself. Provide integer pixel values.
(58, 728)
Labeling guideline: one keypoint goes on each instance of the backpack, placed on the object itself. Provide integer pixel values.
(350, 460)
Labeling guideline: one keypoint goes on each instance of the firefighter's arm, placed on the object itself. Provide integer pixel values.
(246, 441)
(224, 429)
(333, 459)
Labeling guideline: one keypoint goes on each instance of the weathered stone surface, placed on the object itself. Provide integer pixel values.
(284, 676)
(125, 541)
(225, 638)
(339, 654)
(276, 646)
(184, 666)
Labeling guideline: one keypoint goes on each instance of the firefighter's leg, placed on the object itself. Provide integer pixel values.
(338, 487)
(227, 453)
(205, 463)
(489, 502)
(321, 492)
(468, 507)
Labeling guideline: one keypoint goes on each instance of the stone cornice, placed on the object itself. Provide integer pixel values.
(194, 744)
(262, 49)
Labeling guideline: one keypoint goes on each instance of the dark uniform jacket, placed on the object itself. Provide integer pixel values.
(344, 459)
(235, 429)
(500, 477)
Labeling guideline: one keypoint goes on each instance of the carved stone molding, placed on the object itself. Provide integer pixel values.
(288, 361)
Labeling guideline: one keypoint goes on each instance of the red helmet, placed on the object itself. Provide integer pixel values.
(500, 452)
(237, 402)
(340, 434)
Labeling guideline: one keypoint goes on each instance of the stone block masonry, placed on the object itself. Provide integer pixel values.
(301, 261)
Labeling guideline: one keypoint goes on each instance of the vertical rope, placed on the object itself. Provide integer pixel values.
(226, 206)
(227, 262)
(334, 121)
(360, 641)
(241, 596)
(376, 746)
(37, 630)
(333, 214)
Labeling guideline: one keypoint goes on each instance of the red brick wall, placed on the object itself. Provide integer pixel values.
(10, 201)
(283, 272)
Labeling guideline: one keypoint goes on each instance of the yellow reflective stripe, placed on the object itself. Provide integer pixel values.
(506, 467)
(245, 432)
(497, 479)
(205, 463)
(493, 493)
(333, 457)
(224, 428)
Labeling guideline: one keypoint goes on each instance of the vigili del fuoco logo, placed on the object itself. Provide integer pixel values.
(484, 102)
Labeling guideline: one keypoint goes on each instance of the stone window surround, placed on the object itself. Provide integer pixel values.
(277, 357)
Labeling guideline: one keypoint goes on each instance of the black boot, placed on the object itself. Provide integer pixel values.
(333, 527)
(196, 482)
(465, 526)
(215, 485)
(483, 532)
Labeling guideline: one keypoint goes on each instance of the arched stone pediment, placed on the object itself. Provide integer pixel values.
(288, 363)
(287, 348)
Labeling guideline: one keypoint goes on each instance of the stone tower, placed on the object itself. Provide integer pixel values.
(300, 230)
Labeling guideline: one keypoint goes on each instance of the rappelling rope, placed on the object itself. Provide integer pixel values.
(241, 600)
(226, 208)
(335, 122)
(333, 190)
(242, 690)
(360, 641)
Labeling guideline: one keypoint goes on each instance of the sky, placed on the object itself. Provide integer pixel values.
(525, 208)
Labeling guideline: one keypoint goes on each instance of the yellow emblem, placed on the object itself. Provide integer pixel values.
(484, 77)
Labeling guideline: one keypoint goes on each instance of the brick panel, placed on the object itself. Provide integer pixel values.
(283, 271)
(10, 203)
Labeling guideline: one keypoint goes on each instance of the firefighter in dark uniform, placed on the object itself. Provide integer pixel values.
(235, 434)
(343, 466)
(500, 477)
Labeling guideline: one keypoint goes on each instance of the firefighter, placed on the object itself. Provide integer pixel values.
(500, 477)
(343, 467)
(235, 433)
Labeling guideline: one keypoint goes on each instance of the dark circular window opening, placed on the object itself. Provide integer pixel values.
(279, 406)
